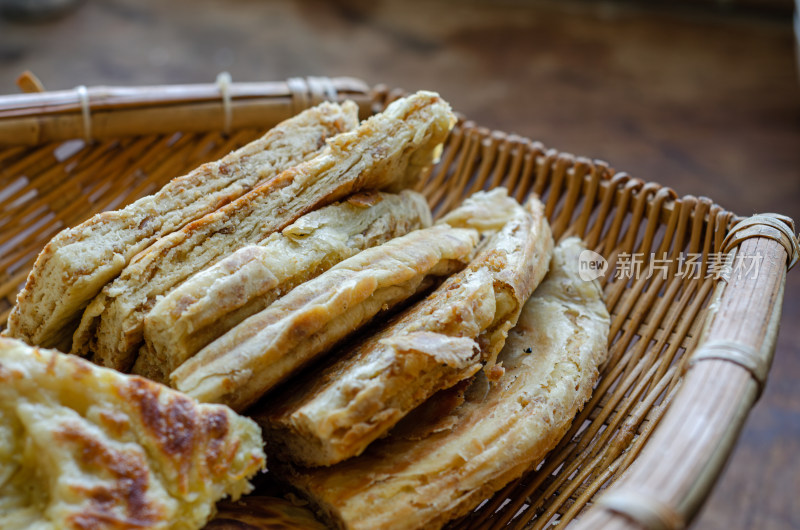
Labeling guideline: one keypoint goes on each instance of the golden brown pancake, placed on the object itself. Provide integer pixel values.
(87, 447)
(433, 345)
(441, 462)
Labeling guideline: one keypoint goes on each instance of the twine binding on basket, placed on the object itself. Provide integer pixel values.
(756, 361)
(736, 352)
(310, 91)
(299, 91)
(773, 226)
(224, 84)
(86, 112)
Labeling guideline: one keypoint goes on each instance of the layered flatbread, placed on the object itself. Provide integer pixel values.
(264, 349)
(87, 447)
(215, 300)
(387, 151)
(78, 262)
(443, 460)
(434, 344)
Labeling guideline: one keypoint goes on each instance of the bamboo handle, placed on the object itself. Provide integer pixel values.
(111, 112)
(723, 380)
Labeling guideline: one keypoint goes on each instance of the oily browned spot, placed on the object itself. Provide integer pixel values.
(131, 479)
(493, 259)
(115, 422)
(495, 373)
(216, 428)
(173, 424)
(365, 199)
(7, 374)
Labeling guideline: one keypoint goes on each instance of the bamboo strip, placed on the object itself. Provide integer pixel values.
(506, 146)
(106, 97)
(27, 82)
(55, 193)
(533, 154)
(38, 159)
(608, 195)
(517, 163)
(32, 119)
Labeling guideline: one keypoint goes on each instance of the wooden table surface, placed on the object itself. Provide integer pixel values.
(703, 99)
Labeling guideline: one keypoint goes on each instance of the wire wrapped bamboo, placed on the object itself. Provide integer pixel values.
(645, 450)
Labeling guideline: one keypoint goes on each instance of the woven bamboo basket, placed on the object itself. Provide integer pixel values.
(689, 352)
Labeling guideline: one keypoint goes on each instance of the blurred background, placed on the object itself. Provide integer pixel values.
(701, 96)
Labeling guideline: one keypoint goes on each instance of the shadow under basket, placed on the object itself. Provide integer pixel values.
(694, 291)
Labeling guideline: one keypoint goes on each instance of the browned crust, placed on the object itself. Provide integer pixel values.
(361, 396)
(215, 300)
(131, 476)
(129, 439)
(387, 151)
(440, 463)
(77, 262)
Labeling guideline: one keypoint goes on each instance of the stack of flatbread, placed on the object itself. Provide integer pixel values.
(467, 442)
(300, 281)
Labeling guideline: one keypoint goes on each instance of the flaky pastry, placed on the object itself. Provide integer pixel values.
(434, 344)
(76, 264)
(267, 347)
(387, 151)
(87, 447)
(215, 300)
(442, 461)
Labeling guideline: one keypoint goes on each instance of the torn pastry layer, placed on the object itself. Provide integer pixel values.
(267, 347)
(485, 211)
(268, 513)
(87, 447)
(215, 300)
(76, 264)
(440, 462)
(434, 344)
(387, 151)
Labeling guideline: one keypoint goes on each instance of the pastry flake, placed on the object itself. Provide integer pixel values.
(87, 447)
